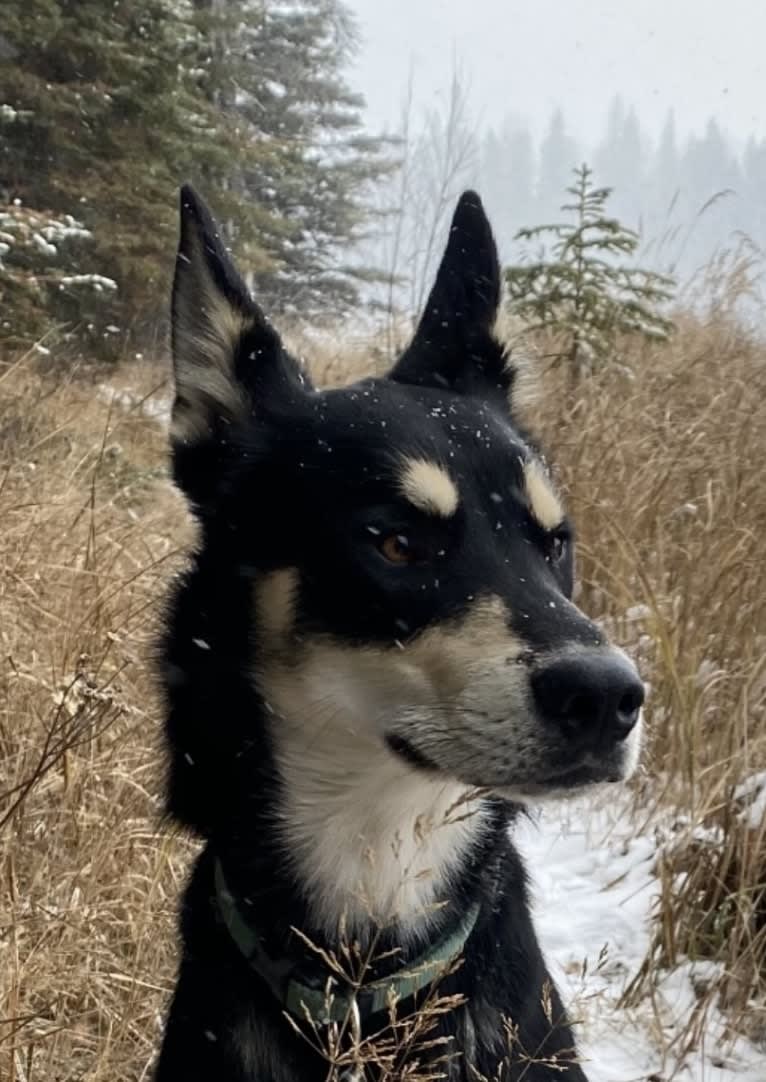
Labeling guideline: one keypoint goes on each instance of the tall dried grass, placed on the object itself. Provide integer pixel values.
(90, 533)
(663, 461)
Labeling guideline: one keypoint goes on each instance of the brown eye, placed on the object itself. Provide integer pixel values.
(396, 549)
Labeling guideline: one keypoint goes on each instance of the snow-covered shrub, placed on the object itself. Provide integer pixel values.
(44, 293)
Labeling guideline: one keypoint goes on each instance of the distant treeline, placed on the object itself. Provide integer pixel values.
(689, 196)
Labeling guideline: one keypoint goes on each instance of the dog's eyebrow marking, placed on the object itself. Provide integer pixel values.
(542, 500)
(429, 487)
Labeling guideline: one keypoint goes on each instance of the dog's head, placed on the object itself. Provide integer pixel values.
(409, 559)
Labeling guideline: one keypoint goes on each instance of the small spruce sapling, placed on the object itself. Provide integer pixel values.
(581, 291)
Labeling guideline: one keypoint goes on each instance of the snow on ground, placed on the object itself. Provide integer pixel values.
(593, 887)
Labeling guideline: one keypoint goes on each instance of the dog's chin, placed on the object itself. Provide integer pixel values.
(611, 768)
(560, 786)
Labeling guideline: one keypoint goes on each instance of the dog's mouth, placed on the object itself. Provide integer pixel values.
(411, 755)
(589, 769)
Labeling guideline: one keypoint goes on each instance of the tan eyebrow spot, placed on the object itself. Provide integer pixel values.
(429, 487)
(542, 500)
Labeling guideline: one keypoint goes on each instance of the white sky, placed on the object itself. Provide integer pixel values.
(701, 57)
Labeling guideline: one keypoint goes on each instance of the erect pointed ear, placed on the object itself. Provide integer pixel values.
(454, 345)
(226, 355)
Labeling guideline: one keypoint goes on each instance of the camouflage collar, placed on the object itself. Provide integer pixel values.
(315, 999)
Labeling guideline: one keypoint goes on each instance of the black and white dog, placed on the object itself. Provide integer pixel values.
(372, 664)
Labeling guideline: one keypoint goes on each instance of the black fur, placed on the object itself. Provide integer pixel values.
(296, 479)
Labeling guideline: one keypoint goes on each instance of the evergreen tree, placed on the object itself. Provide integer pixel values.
(558, 154)
(708, 164)
(582, 292)
(607, 151)
(507, 179)
(40, 257)
(278, 71)
(666, 171)
(711, 181)
(494, 179)
(104, 122)
(620, 159)
(521, 153)
(105, 109)
(754, 170)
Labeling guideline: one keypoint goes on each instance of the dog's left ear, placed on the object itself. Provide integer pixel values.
(454, 345)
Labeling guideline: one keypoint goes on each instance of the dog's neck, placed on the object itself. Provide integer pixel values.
(373, 843)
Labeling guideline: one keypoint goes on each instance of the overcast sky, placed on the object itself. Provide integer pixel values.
(700, 57)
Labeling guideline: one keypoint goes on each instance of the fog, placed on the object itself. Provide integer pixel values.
(664, 98)
(699, 57)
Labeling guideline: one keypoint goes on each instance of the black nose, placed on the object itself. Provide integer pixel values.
(597, 694)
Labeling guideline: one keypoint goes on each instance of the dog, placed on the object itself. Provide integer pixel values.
(372, 665)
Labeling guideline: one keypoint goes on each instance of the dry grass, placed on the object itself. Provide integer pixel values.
(90, 534)
(666, 474)
(666, 468)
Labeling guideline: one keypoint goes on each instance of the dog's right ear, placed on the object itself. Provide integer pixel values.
(226, 355)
